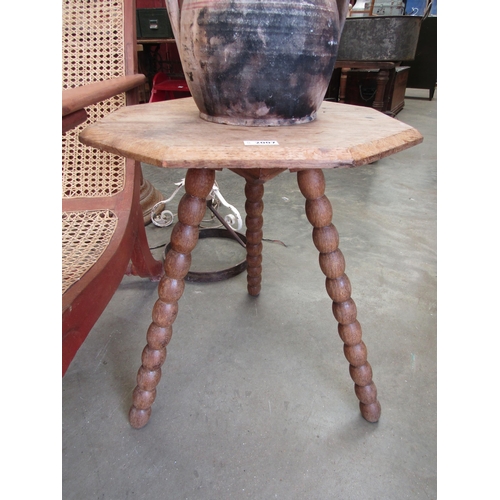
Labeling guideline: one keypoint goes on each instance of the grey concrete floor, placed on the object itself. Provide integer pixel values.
(255, 399)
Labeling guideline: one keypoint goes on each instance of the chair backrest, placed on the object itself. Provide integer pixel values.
(98, 43)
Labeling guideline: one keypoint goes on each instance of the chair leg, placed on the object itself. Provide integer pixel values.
(142, 262)
(331, 260)
(183, 239)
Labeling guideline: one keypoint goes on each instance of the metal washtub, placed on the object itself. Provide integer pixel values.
(380, 38)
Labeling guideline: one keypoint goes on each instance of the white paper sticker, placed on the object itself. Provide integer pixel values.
(261, 143)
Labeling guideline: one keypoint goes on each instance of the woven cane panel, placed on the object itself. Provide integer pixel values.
(93, 50)
(85, 236)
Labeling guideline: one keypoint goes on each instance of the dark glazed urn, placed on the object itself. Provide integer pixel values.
(258, 63)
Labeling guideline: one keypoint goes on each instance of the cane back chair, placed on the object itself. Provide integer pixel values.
(103, 234)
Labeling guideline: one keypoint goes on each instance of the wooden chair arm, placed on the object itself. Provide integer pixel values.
(73, 120)
(92, 93)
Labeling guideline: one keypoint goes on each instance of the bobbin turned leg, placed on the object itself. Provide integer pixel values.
(254, 206)
(331, 261)
(184, 237)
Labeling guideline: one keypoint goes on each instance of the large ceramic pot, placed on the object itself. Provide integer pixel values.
(258, 62)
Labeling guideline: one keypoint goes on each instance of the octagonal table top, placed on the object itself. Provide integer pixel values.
(171, 134)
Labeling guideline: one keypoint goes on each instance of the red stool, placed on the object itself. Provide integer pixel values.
(165, 88)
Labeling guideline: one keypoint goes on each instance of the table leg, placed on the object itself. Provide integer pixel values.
(183, 239)
(254, 206)
(343, 83)
(382, 80)
(331, 260)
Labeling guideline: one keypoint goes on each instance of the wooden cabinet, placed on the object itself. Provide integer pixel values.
(361, 89)
(380, 85)
(423, 69)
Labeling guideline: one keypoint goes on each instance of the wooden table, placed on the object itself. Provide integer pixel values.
(170, 134)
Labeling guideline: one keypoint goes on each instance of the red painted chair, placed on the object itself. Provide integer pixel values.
(166, 88)
(103, 235)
